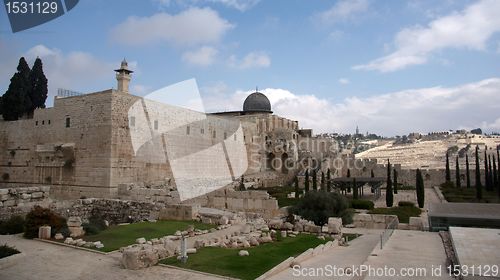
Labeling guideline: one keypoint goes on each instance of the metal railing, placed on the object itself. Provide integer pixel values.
(61, 92)
(386, 234)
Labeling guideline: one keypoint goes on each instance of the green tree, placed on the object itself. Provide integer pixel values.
(490, 174)
(348, 176)
(38, 93)
(389, 196)
(296, 186)
(16, 99)
(486, 169)
(354, 189)
(467, 171)
(479, 187)
(306, 181)
(315, 180)
(328, 183)
(323, 187)
(457, 174)
(241, 186)
(420, 189)
(495, 173)
(448, 175)
(395, 181)
(319, 206)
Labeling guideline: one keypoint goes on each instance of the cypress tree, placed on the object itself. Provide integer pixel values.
(457, 174)
(479, 187)
(16, 99)
(328, 183)
(38, 93)
(486, 169)
(420, 189)
(315, 180)
(495, 173)
(467, 171)
(372, 174)
(448, 175)
(323, 187)
(348, 176)
(490, 174)
(395, 181)
(354, 189)
(389, 196)
(296, 187)
(306, 182)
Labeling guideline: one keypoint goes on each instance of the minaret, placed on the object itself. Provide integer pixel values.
(123, 76)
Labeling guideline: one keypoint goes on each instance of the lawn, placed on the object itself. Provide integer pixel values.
(116, 237)
(403, 212)
(453, 194)
(281, 195)
(226, 262)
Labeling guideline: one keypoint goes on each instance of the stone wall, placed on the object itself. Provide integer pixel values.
(375, 221)
(19, 201)
(179, 212)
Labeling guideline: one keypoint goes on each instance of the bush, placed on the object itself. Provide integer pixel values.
(6, 251)
(319, 206)
(40, 216)
(447, 185)
(406, 203)
(12, 226)
(95, 225)
(362, 204)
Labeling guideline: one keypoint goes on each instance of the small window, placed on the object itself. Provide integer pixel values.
(187, 130)
(132, 121)
(68, 122)
(48, 121)
(43, 122)
(156, 124)
(214, 135)
(36, 122)
(202, 131)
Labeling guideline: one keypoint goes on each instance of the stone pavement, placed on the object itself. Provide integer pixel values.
(408, 250)
(44, 261)
(354, 254)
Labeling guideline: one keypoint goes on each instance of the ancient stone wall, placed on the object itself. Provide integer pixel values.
(19, 201)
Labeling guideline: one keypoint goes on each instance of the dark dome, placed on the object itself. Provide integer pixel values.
(257, 102)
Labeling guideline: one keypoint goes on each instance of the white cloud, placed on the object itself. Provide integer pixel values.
(74, 70)
(469, 29)
(189, 27)
(241, 5)
(203, 56)
(343, 10)
(421, 110)
(344, 81)
(251, 60)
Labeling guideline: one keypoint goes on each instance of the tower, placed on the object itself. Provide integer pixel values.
(123, 76)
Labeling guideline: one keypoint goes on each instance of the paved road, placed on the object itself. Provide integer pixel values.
(44, 261)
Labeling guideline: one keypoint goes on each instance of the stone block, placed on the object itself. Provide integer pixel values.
(10, 202)
(25, 196)
(37, 195)
(76, 231)
(44, 232)
(74, 221)
(243, 253)
(58, 236)
(4, 191)
(334, 225)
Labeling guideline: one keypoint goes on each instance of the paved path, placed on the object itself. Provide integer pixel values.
(341, 257)
(409, 250)
(44, 261)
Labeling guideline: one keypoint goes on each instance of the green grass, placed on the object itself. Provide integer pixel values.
(6, 251)
(453, 194)
(116, 237)
(226, 262)
(281, 195)
(403, 212)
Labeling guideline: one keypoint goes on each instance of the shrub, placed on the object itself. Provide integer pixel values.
(319, 206)
(6, 251)
(406, 203)
(12, 226)
(447, 185)
(40, 216)
(95, 225)
(362, 204)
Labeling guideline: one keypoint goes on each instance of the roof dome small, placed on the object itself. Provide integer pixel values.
(257, 102)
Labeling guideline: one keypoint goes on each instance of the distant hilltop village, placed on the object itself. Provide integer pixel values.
(84, 144)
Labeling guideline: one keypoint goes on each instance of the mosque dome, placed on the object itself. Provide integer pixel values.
(257, 102)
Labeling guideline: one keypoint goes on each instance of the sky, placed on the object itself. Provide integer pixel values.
(389, 67)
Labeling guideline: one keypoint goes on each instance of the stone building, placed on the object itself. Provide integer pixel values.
(99, 144)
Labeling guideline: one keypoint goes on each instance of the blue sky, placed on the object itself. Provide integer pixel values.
(391, 67)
